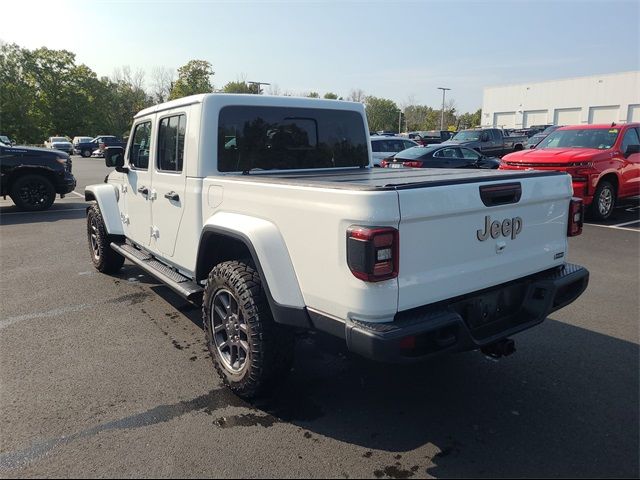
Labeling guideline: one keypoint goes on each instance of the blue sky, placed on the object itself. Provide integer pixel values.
(397, 50)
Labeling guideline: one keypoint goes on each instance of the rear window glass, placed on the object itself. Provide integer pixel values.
(416, 152)
(264, 138)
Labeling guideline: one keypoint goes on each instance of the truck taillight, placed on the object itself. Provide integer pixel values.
(576, 217)
(372, 253)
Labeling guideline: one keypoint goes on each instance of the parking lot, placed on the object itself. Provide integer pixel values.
(109, 376)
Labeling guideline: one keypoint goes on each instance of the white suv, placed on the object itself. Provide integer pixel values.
(384, 146)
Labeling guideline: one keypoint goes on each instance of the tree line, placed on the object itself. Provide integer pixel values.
(45, 92)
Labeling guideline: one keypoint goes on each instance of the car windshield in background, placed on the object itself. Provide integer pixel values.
(467, 135)
(549, 130)
(599, 138)
(415, 152)
(267, 138)
(59, 139)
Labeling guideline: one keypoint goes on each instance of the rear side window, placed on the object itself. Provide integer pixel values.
(265, 138)
(376, 146)
(171, 133)
(140, 146)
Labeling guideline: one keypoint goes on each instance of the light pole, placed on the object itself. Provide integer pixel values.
(444, 91)
(257, 85)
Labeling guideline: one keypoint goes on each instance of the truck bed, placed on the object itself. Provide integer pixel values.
(380, 179)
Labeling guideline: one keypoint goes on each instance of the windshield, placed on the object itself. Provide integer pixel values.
(58, 139)
(599, 138)
(548, 130)
(264, 138)
(467, 135)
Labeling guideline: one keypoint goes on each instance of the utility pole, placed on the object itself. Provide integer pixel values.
(399, 121)
(257, 85)
(444, 91)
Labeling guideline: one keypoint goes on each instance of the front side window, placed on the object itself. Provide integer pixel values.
(470, 154)
(140, 146)
(265, 138)
(171, 143)
(630, 138)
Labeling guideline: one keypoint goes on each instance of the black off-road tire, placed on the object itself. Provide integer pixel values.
(270, 346)
(33, 192)
(604, 201)
(86, 153)
(104, 258)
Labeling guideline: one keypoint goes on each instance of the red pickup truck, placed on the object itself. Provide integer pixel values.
(603, 160)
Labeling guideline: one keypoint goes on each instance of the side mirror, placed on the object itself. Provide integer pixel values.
(114, 157)
(631, 149)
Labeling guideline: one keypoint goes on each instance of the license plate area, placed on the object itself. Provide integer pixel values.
(493, 311)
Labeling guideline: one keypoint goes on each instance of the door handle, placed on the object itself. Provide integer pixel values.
(172, 196)
(143, 190)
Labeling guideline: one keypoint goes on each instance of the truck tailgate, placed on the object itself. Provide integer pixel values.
(450, 246)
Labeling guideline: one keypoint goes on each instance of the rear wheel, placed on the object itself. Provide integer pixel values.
(33, 192)
(104, 258)
(604, 201)
(250, 352)
(86, 153)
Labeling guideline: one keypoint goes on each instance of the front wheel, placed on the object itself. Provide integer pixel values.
(604, 201)
(104, 258)
(86, 153)
(33, 193)
(250, 352)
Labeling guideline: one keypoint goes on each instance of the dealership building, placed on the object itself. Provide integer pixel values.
(572, 101)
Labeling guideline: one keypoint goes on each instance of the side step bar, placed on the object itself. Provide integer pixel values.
(174, 280)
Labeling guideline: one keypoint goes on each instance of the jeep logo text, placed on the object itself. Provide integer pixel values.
(509, 227)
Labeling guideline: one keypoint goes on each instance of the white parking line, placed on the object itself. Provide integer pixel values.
(613, 227)
(78, 194)
(626, 223)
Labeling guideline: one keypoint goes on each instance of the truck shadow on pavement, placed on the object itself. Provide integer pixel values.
(10, 215)
(565, 404)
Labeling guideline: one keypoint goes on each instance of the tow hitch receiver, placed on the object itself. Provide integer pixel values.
(501, 348)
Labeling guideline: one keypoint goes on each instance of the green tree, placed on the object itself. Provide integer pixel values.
(238, 87)
(382, 113)
(193, 78)
(18, 117)
(312, 95)
(470, 120)
(330, 96)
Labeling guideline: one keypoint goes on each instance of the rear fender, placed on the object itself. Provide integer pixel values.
(106, 196)
(269, 252)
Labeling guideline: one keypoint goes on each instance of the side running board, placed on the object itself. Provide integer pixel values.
(180, 284)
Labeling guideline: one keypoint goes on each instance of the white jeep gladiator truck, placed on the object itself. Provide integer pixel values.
(267, 210)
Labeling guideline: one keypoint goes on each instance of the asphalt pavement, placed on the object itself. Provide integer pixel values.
(109, 376)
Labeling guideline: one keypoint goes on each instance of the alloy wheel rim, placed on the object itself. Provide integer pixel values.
(33, 194)
(229, 330)
(93, 235)
(605, 201)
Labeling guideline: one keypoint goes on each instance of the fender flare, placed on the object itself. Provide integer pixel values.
(106, 196)
(271, 257)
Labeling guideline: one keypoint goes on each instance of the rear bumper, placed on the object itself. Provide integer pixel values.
(465, 323)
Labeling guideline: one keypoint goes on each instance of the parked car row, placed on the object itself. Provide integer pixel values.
(81, 145)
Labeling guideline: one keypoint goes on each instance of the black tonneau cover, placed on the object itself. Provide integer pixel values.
(389, 178)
